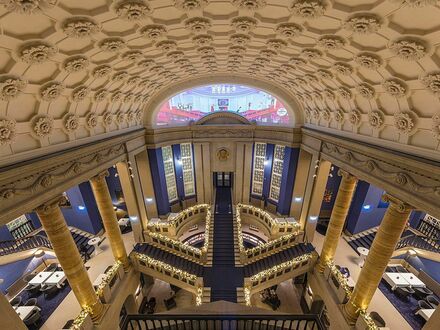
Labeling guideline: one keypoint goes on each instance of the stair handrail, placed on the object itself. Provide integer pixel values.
(24, 244)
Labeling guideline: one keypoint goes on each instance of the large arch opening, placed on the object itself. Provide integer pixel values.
(193, 104)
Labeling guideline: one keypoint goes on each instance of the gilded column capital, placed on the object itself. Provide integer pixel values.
(346, 175)
(51, 205)
(396, 204)
(100, 176)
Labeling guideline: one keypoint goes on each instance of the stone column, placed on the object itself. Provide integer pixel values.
(144, 186)
(384, 244)
(198, 169)
(68, 256)
(10, 319)
(105, 207)
(337, 219)
(299, 188)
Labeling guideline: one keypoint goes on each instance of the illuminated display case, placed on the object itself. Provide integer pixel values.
(187, 169)
(258, 170)
(170, 177)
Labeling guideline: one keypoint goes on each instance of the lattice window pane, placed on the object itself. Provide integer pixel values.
(258, 170)
(187, 169)
(170, 176)
(277, 173)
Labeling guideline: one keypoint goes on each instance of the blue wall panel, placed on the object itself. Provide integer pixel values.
(288, 180)
(268, 170)
(178, 170)
(159, 183)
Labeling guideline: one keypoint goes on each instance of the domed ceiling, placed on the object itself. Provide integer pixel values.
(73, 71)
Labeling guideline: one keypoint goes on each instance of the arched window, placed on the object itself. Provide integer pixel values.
(193, 104)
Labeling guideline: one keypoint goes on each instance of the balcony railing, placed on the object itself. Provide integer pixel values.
(221, 322)
(287, 240)
(24, 244)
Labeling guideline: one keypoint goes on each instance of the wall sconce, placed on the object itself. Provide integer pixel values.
(133, 217)
(313, 217)
(81, 207)
(149, 200)
(366, 207)
(298, 199)
(266, 162)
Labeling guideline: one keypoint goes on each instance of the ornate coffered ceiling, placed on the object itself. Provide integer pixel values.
(77, 70)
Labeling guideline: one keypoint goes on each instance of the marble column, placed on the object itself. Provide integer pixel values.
(144, 186)
(10, 319)
(105, 207)
(337, 218)
(65, 249)
(388, 235)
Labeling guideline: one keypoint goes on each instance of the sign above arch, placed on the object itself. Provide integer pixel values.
(193, 104)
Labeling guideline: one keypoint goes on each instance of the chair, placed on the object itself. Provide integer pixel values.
(33, 318)
(170, 303)
(151, 305)
(52, 267)
(422, 305)
(27, 278)
(31, 302)
(174, 288)
(33, 289)
(433, 301)
(16, 301)
(377, 319)
(401, 269)
(403, 293)
(422, 293)
(49, 290)
(68, 324)
(391, 269)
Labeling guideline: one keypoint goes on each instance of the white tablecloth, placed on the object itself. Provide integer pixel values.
(123, 221)
(40, 278)
(413, 280)
(57, 278)
(395, 280)
(24, 311)
(425, 313)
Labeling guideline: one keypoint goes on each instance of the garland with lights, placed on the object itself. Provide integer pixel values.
(107, 279)
(368, 320)
(79, 320)
(341, 279)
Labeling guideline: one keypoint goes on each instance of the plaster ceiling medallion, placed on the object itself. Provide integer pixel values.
(206, 51)
(338, 116)
(368, 60)
(27, 6)
(143, 83)
(354, 117)
(42, 126)
(91, 120)
(432, 82)
(315, 113)
(289, 30)
(249, 4)
(146, 64)
(238, 50)
(366, 90)
(436, 126)
(120, 76)
(202, 40)
(139, 115)
(343, 68)
(307, 113)
(244, 24)
(198, 24)
(107, 118)
(297, 61)
(308, 8)
(363, 23)
(11, 87)
(190, 4)
(116, 97)
(345, 93)
(132, 10)
(7, 131)
(376, 119)
(36, 52)
(131, 116)
(112, 45)
(395, 87)
(409, 48)
(132, 55)
(240, 39)
(276, 44)
(80, 93)
(71, 122)
(417, 3)
(120, 117)
(51, 91)
(329, 94)
(167, 45)
(268, 53)
(331, 42)
(311, 53)
(76, 64)
(101, 95)
(80, 27)
(153, 31)
(128, 98)
(310, 78)
(324, 74)
(102, 71)
(404, 122)
(326, 114)
(133, 81)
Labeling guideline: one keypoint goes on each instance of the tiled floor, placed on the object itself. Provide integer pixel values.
(346, 256)
(288, 296)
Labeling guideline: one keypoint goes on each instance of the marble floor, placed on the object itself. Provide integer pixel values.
(288, 296)
(161, 290)
(347, 257)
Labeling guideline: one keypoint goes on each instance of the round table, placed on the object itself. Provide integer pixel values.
(94, 242)
(363, 252)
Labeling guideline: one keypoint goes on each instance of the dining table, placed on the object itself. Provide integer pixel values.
(57, 278)
(40, 278)
(413, 280)
(25, 311)
(425, 313)
(395, 280)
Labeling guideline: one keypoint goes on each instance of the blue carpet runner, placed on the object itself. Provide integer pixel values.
(223, 277)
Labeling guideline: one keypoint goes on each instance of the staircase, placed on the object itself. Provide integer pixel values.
(277, 258)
